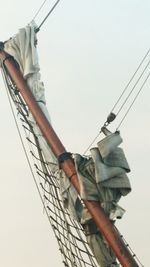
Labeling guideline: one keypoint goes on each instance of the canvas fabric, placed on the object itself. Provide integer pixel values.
(22, 47)
(102, 178)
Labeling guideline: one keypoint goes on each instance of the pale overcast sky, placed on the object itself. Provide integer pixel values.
(88, 50)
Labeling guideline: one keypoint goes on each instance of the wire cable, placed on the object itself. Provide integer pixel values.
(36, 14)
(133, 101)
(133, 87)
(54, 6)
(124, 104)
(92, 143)
(21, 139)
(126, 87)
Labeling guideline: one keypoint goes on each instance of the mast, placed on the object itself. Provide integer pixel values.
(103, 223)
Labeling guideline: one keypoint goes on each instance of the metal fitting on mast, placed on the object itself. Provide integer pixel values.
(1, 46)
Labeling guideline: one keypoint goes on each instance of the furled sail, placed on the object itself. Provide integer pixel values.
(102, 175)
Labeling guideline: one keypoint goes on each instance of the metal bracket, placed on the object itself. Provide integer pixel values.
(1, 46)
(64, 156)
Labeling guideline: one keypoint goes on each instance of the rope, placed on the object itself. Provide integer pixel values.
(126, 87)
(21, 139)
(130, 249)
(39, 9)
(133, 101)
(126, 99)
(133, 88)
(92, 143)
(54, 6)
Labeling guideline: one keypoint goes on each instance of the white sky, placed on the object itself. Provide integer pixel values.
(88, 51)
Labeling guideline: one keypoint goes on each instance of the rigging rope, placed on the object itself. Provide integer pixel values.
(39, 9)
(51, 10)
(127, 245)
(126, 87)
(19, 133)
(133, 101)
(133, 87)
(84, 153)
(112, 115)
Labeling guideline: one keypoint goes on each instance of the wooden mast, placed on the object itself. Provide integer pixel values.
(103, 223)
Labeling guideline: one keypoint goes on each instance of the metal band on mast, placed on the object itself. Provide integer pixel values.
(101, 220)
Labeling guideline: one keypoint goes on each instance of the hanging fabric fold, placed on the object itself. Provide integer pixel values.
(102, 176)
(23, 48)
